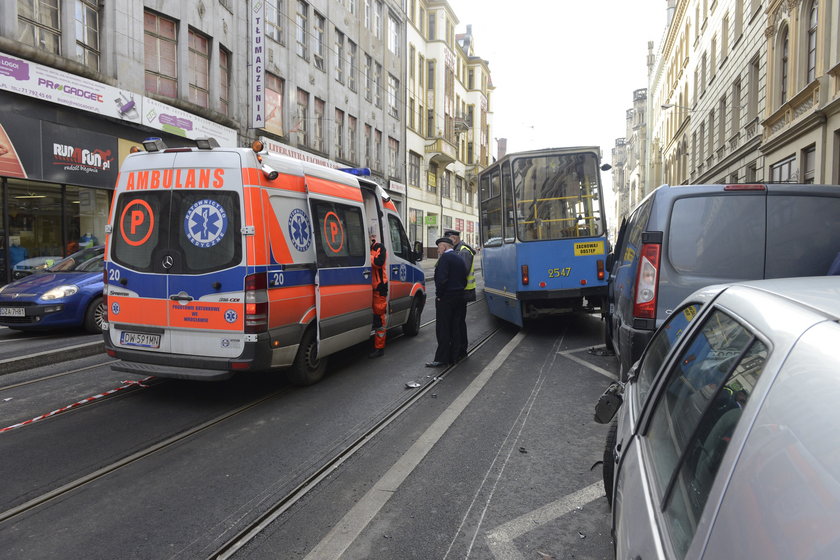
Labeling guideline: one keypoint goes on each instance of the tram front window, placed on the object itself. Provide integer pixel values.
(557, 197)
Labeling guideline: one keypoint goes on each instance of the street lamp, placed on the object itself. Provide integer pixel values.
(671, 105)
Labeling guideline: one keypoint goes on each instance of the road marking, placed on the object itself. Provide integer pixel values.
(500, 539)
(593, 367)
(339, 539)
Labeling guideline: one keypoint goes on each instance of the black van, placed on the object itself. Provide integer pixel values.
(681, 238)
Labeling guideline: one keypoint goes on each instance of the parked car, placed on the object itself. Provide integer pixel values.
(681, 238)
(67, 294)
(725, 443)
(33, 265)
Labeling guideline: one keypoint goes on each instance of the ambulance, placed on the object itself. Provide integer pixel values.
(226, 260)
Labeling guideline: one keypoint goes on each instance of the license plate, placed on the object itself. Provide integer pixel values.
(143, 340)
(12, 312)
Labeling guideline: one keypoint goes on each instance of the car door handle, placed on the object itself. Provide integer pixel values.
(366, 274)
(181, 297)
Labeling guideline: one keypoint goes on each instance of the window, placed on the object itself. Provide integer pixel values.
(352, 132)
(318, 41)
(368, 139)
(491, 207)
(809, 157)
(411, 57)
(274, 95)
(393, 155)
(368, 76)
(39, 24)
(432, 178)
(377, 21)
(698, 248)
(445, 186)
(752, 94)
(351, 71)
(735, 117)
(199, 69)
(87, 33)
(413, 169)
(340, 238)
(393, 35)
(415, 225)
(367, 14)
(399, 240)
(339, 56)
(275, 19)
(812, 42)
(411, 111)
(160, 47)
(300, 118)
(782, 172)
(724, 37)
(301, 26)
(318, 133)
(377, 149)
(393, 97)
(432, 26)
(224, 82)
(339, 133)
(430, 82)
(665, 338)
(783, 68)
(459, 189)
(698, 409)
(377, 90)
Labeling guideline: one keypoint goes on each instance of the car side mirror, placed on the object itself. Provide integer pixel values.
(418, 251)
(608, 403)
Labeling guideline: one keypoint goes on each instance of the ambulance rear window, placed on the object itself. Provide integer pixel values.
(177, 232)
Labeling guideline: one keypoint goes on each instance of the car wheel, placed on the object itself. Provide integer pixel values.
(609, 460)
(412, 325)
(96, 316)
(307, 368)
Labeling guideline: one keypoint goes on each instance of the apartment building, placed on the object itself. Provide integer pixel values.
(448, 123)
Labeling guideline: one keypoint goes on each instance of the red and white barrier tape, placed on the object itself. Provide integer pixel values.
(126, 385)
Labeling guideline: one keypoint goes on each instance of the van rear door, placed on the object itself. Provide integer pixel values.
(176, 264)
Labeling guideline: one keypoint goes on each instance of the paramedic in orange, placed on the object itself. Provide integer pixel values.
(379, 276)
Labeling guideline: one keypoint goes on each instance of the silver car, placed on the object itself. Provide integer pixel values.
(726, 443)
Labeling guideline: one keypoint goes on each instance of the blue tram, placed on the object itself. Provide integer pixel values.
(543, 233)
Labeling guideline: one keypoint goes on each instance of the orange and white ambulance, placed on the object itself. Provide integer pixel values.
(223, 260)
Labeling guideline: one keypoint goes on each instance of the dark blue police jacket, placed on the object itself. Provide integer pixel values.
(450, 275)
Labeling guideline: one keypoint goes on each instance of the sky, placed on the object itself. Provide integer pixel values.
(564, 70)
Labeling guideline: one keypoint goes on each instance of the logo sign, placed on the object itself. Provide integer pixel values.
(300, 230)
(115, 308)
(206, 223)
(589, 248)
(230, 316)
(403, 273)
(137, 222)
(333, 232)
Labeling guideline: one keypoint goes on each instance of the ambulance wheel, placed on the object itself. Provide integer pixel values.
(412, 325)
(307, 368)
(95, 316)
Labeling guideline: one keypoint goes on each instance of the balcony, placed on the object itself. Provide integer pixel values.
(462, 124)
(441, 152)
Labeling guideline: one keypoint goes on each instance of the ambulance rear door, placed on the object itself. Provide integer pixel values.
(176, 266)
(343, 279)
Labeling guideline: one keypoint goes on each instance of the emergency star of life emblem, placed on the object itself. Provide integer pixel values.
(205, 223)
(300, 231)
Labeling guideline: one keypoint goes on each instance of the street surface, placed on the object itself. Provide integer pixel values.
(496, 458)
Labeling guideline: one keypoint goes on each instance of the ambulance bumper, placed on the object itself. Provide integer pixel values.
(173, 372)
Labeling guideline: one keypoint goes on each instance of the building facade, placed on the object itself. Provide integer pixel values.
(448, 123)
(745, 91)
(83, 81)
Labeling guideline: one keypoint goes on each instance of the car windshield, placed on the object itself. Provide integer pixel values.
(86, 260)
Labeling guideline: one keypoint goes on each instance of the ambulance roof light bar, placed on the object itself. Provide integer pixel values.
(358, 171)
(206, 143)
(154, 144)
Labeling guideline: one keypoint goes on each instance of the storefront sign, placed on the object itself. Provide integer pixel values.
(278, 148)
(396, 187)
(77, 156)
(43, 82)
(257, 66)
(431, 220)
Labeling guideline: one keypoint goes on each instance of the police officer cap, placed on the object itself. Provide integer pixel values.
(444, 240)
(452, 232)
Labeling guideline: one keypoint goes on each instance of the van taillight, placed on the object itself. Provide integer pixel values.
(525, 278)
(600, 266)
(647, 282)
(256, 303)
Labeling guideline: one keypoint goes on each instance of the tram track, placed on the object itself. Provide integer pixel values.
(254, 528)
(54, 376)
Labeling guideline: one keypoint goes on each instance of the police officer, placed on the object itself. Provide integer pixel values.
(379, 283)
(468, 254)
(450, 280)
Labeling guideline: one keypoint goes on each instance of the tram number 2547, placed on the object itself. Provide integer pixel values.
(558, 272)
